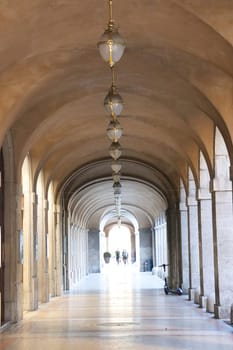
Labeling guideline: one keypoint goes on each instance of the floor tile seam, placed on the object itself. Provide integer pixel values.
(119, 333)
(142, 319)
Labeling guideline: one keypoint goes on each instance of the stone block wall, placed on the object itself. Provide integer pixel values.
(145, 249)
(93, 251)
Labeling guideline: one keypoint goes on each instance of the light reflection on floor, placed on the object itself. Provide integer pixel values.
(119, 309)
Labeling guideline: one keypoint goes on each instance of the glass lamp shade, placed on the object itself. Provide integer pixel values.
(116, 185)
(113, 102)
(118, 211)
(116, 166)
(117, 198)
(117, 188)
(111, 46)
(116, 177)
(114, 130)
(115, 150)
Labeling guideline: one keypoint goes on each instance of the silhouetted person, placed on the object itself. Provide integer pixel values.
(118, 256)
(125, 256)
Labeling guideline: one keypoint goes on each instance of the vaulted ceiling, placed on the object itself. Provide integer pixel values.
(176, 78)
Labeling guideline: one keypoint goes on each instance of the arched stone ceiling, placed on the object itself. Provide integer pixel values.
(88, 205)
(176, 78)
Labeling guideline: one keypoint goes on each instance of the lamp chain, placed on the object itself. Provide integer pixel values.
(111, 22)
(111, 46)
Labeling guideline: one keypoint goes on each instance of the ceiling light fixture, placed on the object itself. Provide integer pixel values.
(111, 47)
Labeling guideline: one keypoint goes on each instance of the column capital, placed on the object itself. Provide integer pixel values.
(191, 201)
(183, 206)
(220, 185)
(203, 194)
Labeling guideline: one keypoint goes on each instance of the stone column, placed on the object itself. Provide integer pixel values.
(13, 274)
(35, 252)
(174, 246)
(184, 246)
(223, 246)
(138, 253)
(30, 295)
(51, 251)
(102, 248)
(153, 247)
(107, 241)
(42, 258)
(65, 247)
(133, 247)
(93, 251)
(193, 239)
(207, 268)
(46, 252)
(18, 312)
(58, 251)
(145, 247)
(156, 235)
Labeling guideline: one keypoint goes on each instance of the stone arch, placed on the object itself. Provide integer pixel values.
(106, 222)
(222, 228)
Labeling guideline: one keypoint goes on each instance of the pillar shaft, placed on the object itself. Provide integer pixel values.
(194, 264)
(184, 247)
(223, 248)
(207, 249)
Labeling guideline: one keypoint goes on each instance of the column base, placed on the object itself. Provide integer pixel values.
(203, 301)
(196, 296)
(222, 312)
(35, 302)
(191, 293)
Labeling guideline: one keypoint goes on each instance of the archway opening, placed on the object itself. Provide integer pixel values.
(120, 241)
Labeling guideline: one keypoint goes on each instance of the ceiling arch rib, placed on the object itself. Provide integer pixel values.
(54, 140)
(73, 113)
(97, 172)
(106, 219)
(52, 87)
(90, 204)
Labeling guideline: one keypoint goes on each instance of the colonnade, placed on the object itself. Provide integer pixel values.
(206, 235)
(46, 246)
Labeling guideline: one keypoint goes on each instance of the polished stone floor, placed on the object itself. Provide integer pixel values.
(119, 309)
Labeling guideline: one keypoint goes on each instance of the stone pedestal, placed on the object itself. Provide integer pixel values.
(191, 293)
(222, 312)
(203, 302)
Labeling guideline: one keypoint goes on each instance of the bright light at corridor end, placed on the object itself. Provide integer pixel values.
(119, 239)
